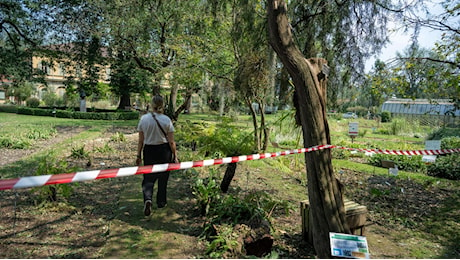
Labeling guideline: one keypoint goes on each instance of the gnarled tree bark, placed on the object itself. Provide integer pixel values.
(327, 212)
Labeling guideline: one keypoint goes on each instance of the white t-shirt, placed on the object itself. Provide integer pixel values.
(152, 134)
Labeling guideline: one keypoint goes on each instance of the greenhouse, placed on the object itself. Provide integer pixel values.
(434, 111)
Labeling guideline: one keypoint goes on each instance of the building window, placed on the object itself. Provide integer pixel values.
(2, 94)
(45, 68)
(42, 92)
(61, 69)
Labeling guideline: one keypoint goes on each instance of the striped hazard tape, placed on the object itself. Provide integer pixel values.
(35, 181)
(402, 152)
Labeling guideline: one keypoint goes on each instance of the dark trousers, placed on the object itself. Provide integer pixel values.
(156, 154)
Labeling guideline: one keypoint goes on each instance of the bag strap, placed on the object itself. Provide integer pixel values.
(161, 128)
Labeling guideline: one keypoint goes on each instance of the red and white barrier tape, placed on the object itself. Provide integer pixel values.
(402, 152)
(35, 181)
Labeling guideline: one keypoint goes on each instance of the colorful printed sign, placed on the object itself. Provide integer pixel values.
(348, 246)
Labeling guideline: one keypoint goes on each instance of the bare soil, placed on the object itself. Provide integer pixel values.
(103, 218)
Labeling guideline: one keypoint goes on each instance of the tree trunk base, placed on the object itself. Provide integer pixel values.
(255, 241)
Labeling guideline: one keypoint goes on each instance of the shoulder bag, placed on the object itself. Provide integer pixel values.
(166, 136)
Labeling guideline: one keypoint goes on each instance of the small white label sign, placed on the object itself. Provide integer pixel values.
(353, 128)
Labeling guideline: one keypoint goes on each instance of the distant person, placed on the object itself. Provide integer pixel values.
(156, 145)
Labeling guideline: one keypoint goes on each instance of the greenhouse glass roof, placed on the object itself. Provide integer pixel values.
(420, 107)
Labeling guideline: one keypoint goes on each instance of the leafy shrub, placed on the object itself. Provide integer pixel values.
(397, 126)
(79, 153)
(362, 133)
(118, 137)
(50, 98)
(104, 149)
(227, 139)
(385, 116)
(51, 165)
(25, 111)
(447, 167)
(8, 108)
(32, 102)
(359, 110)
(40, 133)
(450, 142)
(224, 212)
(340, 154)
(206, 192)
(14, 142)
(80, 115)
(441, 133)
(406, 163)
(43, 112)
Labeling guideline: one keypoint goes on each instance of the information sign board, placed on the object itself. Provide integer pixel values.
(348, 246)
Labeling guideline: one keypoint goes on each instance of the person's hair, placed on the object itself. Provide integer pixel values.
(158, 104)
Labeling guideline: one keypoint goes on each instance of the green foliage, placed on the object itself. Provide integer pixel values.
(362, 133)
(11, 142)
(32, 102)
(385, 116)
(8, 108)
(188, 132)
(447, 166)
(104, 149)
(128, 115)
(397, 126)
(359, 110)
(79, 153)
(406, 163)
(51, 99)
(51, 165)
(340, 154)
(229, 140)
(440, 133)
(223, 212)
(223, 244)
(450, 142)
(206, 191)
(40, 133)
(24, 140)
(118, 137)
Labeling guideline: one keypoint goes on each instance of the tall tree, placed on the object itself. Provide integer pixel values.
(345, 33)
(20, 33)
(253, 63)
(327, 213)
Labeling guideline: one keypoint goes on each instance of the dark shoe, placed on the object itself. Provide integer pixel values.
(162, 205)
(147, 207)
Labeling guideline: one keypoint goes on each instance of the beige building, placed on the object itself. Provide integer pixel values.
(56, 70)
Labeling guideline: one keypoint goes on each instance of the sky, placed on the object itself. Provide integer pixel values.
(400, 40)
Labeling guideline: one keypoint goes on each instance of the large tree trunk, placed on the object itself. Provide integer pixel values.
(326, 202)
(125, 101)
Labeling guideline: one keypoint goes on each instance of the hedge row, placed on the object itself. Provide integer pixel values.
(117, 115)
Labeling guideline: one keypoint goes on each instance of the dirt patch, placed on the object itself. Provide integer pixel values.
(63, 132)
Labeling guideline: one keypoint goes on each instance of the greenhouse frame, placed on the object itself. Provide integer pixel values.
(429, 112)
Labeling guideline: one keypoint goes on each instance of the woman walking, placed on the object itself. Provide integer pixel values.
(156, 145)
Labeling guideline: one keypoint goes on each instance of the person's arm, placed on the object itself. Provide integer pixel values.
(140, 146)
(172, 144)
